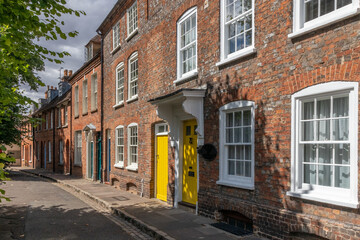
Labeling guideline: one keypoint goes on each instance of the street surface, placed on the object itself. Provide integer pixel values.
(40, 209)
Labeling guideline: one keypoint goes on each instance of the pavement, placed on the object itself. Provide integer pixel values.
(153, 217)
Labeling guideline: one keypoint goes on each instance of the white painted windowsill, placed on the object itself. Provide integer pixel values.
(325, 21)
(120, 104)
(232, 184)
(243, 53)
(186, 76)
(132, 99)
(340, 201)
(131, 35)
(119, 165)
(115, 49)
(132, 167)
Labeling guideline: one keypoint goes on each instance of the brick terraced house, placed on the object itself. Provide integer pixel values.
(272, 85)
(51, 137)
(245, 111)
(85, 115)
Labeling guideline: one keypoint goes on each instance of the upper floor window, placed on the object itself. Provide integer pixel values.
(120, 83)
(65, 116)
(46, 120)
(324, 143)
(116, 35)
(132, 19)
(76, 108)
(49, 152)
(237, 144)
(88, 52)
(85, 97)
(59, 117)
(61, 152)
(94, 87)
(133, 76)
(310, 15)
(119, 143)
(52, 119)
(187, 44)
(237, 29)
(132, 146)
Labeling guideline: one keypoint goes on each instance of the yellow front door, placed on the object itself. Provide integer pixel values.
(162, 167)
(189, 192)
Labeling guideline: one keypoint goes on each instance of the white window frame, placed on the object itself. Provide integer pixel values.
(119, 89)
(133, 58)
(61, 152)
(59, 117)
(330, 195)
(301, 27)
(49, 151)
(76, 107)
(118, 163)
(85, 97)
(135, 22)
(180, 76)
(65, 116)
(52, 119)
(78, 148)
(116, 35)
(46, 121)
(94, 90)
(226, 58)
(132, 166)
(224, 178)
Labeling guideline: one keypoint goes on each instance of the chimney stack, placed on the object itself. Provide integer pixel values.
(46, 94)
(52, 87)
(48, 86)
(70, 73)
(65, 73)
(55, 88)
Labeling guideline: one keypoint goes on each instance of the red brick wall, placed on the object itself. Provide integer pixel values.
(279, 68)
(91, 117)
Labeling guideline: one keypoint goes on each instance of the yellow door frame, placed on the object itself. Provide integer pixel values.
(161, 131)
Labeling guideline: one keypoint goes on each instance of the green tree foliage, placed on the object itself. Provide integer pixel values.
(22, 24)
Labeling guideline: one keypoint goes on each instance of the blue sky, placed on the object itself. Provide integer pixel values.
(96, 11)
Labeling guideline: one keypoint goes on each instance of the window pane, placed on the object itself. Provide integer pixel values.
(240, 42)
(323, 108)
(311, 10)
(247, 152)
(238, 118)
(239, 152)
(238, 135)
(232, 45)
(326, 6)
(342, 3)
(239, 27)
(248, 38)
(308, 131)
(309, 153)
(231, 167)
(240, 168)
(342, 177)
(229, 120)
(231, 153)
(342, 153)
(309, 173)
(323, 130)
(308, 110)
(247, 118)
(247, 169)
(230, 12)
(341, 107)
(247, 135)
(341, 129)
(325, 153)
(325, 175)
(238, 7)
(247, 5)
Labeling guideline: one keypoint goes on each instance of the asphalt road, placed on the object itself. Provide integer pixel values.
(41, 210)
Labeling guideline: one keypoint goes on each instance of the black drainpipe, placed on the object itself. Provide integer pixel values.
(101, 103)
